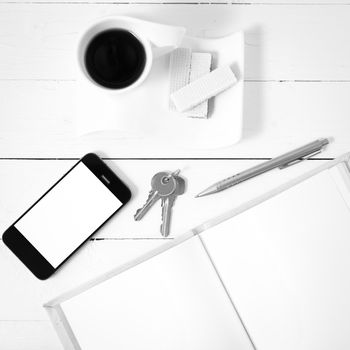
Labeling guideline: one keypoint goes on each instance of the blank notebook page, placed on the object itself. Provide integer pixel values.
(286, 265)
(172, 301)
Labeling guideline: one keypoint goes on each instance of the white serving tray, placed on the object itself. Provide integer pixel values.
(143, 112)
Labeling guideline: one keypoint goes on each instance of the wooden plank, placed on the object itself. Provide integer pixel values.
(290, 42)
(38, 120)
(23, 181)
(29, 335)
(120, 245)
(118, 242)
(19, 191)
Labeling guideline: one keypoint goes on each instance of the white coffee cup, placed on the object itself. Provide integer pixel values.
(156, 39)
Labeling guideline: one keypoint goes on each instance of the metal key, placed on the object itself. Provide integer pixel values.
(167, 205)
(163, 184)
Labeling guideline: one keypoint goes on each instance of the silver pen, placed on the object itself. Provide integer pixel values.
(281, 162)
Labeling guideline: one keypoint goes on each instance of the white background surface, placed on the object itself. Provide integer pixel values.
(297, 89)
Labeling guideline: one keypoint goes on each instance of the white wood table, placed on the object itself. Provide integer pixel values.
(297, 89)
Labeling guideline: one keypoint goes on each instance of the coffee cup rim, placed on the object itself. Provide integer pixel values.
(107, 23)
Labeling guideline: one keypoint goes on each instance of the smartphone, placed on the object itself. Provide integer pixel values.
(66, 216)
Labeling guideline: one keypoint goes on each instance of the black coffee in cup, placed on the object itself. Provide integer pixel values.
(115, 58)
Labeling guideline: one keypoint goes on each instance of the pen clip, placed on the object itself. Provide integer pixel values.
(299, 159)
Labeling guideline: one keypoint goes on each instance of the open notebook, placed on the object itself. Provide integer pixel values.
(282, 258)
(172, 301)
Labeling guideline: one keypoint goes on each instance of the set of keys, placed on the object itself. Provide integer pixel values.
(166, 186)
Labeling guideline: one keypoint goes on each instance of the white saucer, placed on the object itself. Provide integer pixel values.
(143, 112)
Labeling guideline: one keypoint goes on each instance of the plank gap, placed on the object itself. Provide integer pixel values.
(176, 3)
(245, 80)
(127, 239)
(199, 158)
(131, 239)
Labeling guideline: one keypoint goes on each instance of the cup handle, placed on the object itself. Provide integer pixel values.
(165, 38)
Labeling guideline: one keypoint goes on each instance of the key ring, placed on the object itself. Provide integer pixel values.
(166, 179)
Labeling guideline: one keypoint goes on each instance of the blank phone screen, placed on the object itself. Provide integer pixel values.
(68, 214)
